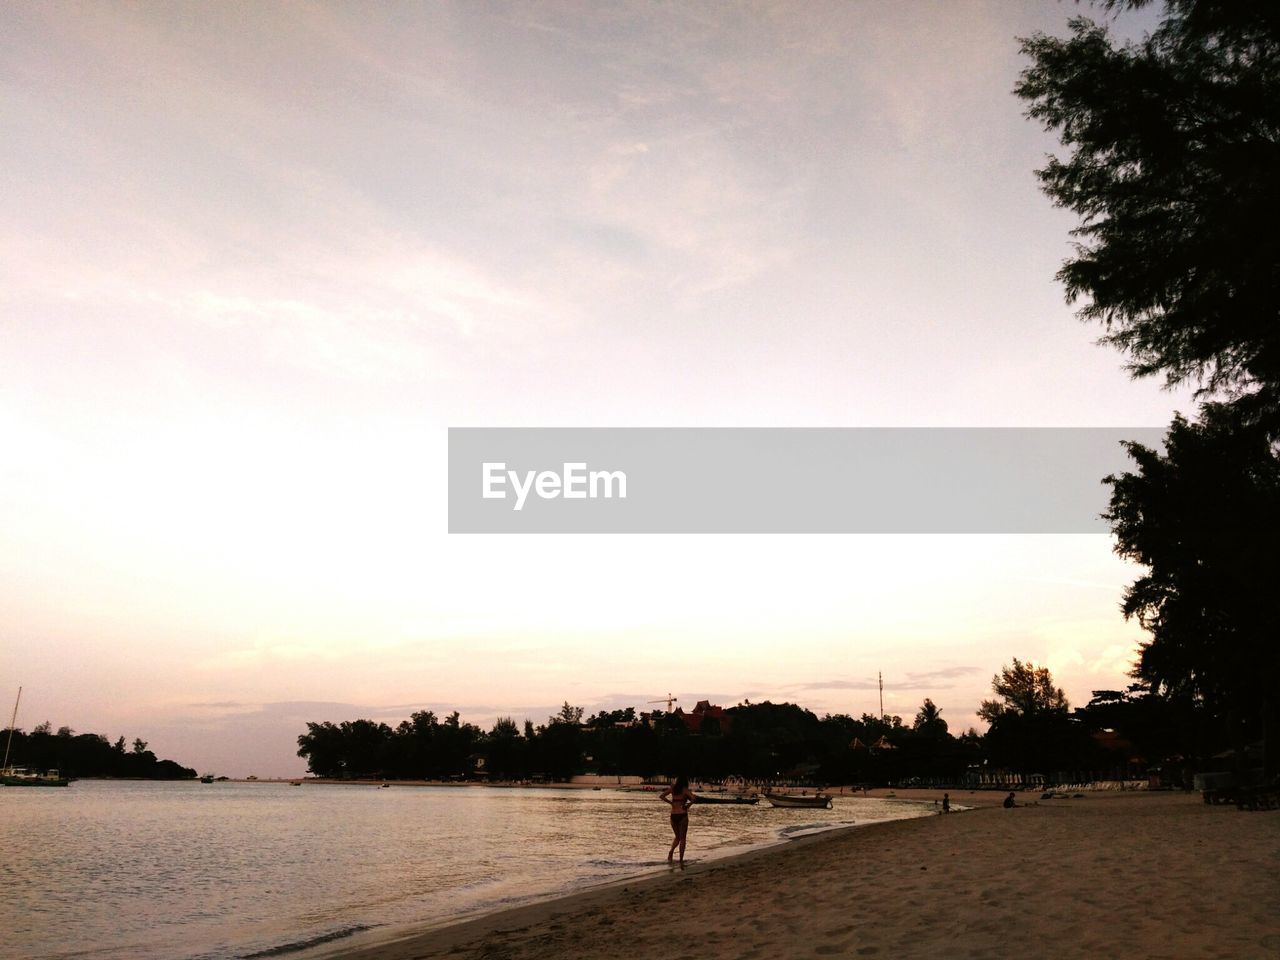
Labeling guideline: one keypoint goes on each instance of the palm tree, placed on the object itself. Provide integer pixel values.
(929, 720)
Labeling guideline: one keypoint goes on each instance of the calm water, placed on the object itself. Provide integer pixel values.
(187, 870)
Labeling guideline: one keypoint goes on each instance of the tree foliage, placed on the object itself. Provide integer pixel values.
(89, 755)
(762, 742)
(1030, 727)
(1169, 730)
(929, 720)
(1023, 690)
(1204, 518)
(1174, 143)
(1173, 147)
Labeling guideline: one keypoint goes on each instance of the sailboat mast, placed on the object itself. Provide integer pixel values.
(12, 723)
(881, 677)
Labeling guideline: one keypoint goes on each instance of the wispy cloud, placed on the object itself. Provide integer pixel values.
(836, 685)
(920, 680)
(934, 677)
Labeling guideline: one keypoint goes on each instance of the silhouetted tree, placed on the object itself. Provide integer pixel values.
(568, 714)
(1023, 690)
(771, 740)
(612, 718)
(561, 743)
(325, 748)
(1174, 148)
(1031, 730)
(929, 720)
(88, 755)
(640, 750)
(504, 753)
(1172, 169)
(1204, 519)
(1167, 730)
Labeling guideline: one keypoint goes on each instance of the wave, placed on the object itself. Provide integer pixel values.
(795, 830)
(292, 946)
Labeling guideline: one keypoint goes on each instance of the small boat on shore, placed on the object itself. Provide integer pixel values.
(819, 801)
(726, 798)
(207, 778)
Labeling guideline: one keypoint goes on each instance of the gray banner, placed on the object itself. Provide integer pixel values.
(785, 480)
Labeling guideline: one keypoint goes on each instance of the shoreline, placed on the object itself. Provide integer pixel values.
(376, 938)
(537, 904)
(446, 936)
(1160, 870)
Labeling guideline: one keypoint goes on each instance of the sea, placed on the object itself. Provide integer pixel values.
(102, 870)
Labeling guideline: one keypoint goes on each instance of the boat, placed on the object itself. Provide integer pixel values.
(817, 801)
(207, 778)
(21, 776)
(733, 798)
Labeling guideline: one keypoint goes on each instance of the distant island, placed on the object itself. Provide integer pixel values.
(89, 755)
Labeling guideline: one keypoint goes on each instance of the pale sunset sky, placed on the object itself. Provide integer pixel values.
(257, 257)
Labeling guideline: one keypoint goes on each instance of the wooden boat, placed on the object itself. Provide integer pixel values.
(207, 778)
(734, 798)
(819, 801)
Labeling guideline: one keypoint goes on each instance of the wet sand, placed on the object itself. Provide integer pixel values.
(1107, 874)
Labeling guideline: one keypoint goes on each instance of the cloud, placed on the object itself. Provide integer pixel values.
(927, 680)
(1117, 658)
(933, 676)
(223, 705)
(836, 685)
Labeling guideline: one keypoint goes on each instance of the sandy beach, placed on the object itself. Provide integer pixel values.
(1104, 874)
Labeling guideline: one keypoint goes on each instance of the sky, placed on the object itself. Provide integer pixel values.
(257, 258)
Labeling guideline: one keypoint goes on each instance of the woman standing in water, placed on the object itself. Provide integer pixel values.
(681, 799)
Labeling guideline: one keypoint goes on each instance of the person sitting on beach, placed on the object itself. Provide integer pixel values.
(1009, 803)
(681, 799)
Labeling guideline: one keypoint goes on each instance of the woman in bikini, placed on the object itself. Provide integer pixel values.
(681, 799)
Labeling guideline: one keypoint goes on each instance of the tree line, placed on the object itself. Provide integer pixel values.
(1033, 731)
(88, 755)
